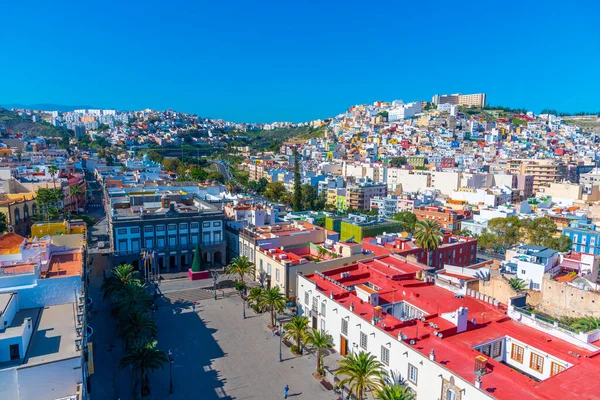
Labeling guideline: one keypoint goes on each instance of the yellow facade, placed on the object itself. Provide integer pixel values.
(42, 229)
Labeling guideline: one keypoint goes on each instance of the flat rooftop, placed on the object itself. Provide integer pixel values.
(61, 265)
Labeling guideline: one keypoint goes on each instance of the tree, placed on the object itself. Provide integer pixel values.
(362, 372)
(254, 296)
(586, 324)
(395, 392)
(507, 231)
(539, 229)
(297, 199)
(407, 219)
(170, 164)
(75, 192)
(137, 325)
(464, 233)
(319, 341)
(48, 199)
(53, 170)
(155, 157)
(241, 266)
(517, 284)
(119, 277)
(487, 240)
(274, 300)
(274, 191)
(296, 329)
(3, 223)
(398, 161)
(561, 243)
(428, 236)
(198, 262)
(143, 357)
(132, 297)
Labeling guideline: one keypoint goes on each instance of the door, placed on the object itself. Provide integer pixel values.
(14, 352)
(343, 346)
(314, 322)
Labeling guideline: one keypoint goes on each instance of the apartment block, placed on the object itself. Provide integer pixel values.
(358, 196)
(467, 100)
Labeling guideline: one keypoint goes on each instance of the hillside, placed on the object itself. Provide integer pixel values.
(13, 121)
(272, 139)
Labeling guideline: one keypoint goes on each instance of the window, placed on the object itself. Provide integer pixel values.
(183, 227)
(363, 340)
(161, 242)
(486, 349)
(122, 231)
(413, 374)
(172, 241)
(517, 353)
(537, 363)
(160, 228)
(149, 243)
(206, 238)
(523, 272)
(306, 298)
(497, 349)
(269, 269)
(277, 274)
(135, 230)
(194, 225)
(172, 227)
(218, 223)
(194, 239)
(385, 355)
(450, 394)
(323, 325)
(206, 224)
(535, 286)
(556, 369)
(344, 326)
(183, 240)
(323, 308)
(14, 352)
(148, 229)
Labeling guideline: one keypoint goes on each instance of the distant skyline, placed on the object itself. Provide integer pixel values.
(280, 61)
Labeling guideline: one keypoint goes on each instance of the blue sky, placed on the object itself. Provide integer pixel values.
(280, 60)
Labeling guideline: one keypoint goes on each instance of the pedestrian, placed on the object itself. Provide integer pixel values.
(286, 389)
(194, 306)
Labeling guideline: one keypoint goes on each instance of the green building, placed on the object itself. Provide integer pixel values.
(362, 226)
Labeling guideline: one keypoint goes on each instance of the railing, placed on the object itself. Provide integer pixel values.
(190, 246)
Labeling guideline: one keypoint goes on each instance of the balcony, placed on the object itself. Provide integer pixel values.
(167, 249)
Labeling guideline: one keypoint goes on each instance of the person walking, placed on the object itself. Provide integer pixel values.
(286, 390)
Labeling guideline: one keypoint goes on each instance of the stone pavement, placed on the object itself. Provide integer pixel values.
(219, 355)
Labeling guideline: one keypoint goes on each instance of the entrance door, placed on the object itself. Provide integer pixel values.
(314, 324)
(14, 352)
(343, 346)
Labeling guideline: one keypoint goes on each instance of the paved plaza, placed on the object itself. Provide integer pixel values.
(219, 355)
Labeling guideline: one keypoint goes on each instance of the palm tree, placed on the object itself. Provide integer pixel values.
(319, 340)
(75, 192)
(517, 284)
(241, 266)
(137, 325)
(254, 295)
(133, 297)
(296, 329)
(395, 392)
(144, 356)
(273, 299)
(362, 372)
(119, 277)
(53, 170)
(587, 324)
(428, 236)
(321, 252)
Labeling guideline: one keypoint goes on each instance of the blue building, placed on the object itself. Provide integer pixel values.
(585, 237)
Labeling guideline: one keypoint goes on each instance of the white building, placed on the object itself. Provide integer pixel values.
(530, 263)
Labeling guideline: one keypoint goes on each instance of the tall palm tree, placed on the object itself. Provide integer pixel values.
(517, 284)
(53, 170)
(395, 392)
(144, 357)
(319, 340)
(75, 192)
(254, 295)
(296, 329)
(119, 277)
(274, 300)
(362, 372)
(587, 324)
(133, 297)
(428, 236)
(137, 325)
(240, 266)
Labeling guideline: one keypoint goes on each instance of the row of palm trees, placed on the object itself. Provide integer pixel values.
(132, 304)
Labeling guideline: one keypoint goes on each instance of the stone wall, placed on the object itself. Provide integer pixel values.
(561, 299)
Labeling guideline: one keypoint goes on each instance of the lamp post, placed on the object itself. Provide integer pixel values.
(170, 354)
(280, 336)
(243, 306)
(215, 283)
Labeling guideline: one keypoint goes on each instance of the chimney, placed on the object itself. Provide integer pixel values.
(172, 206)
(352, 307)
(478, 382)
(462, 318)
(432, 355)
(164, 201)
(331, 294)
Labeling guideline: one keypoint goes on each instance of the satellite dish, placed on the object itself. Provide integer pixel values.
(440, 335)
(435, 333)
(412, 342)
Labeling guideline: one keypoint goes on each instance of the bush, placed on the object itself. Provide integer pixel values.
(239, 286)
(295, 349)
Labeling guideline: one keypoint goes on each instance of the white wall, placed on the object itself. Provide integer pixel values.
(50, 292)
(50, 381)
(9, 386)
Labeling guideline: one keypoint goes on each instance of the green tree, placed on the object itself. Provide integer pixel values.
(254, 296)
(53, 171)
(119, 277)
(361, 372)
(319, 341)
(561, 243)
(48, 200)
(407, 219)
(397, 162)
(241, 266)
(309, 197)
(75, 192)
(296, 329)
(507, 231)
(539, 229)
(275, 191)
(137, 325)
(428, 236)
(198, 262)
(487, 240)
(517, 284)
(586, 324)
(274, 300)
(155, 157)
(3, 223)
(171, 164)
(297, 199)
(395, 392)
(133, 296)
(144, 356)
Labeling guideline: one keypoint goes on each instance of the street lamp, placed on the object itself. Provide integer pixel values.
(215, 283)
(170, 354)
(280, 336)
(243, 306)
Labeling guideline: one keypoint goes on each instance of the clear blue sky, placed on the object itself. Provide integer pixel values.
(260, 61)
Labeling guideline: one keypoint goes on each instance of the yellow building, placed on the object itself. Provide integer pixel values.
(41, 229)
(18, 209)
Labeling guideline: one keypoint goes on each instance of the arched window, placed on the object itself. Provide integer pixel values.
(25, 211)
(450, 394)
(17, 215)
(34, 209)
